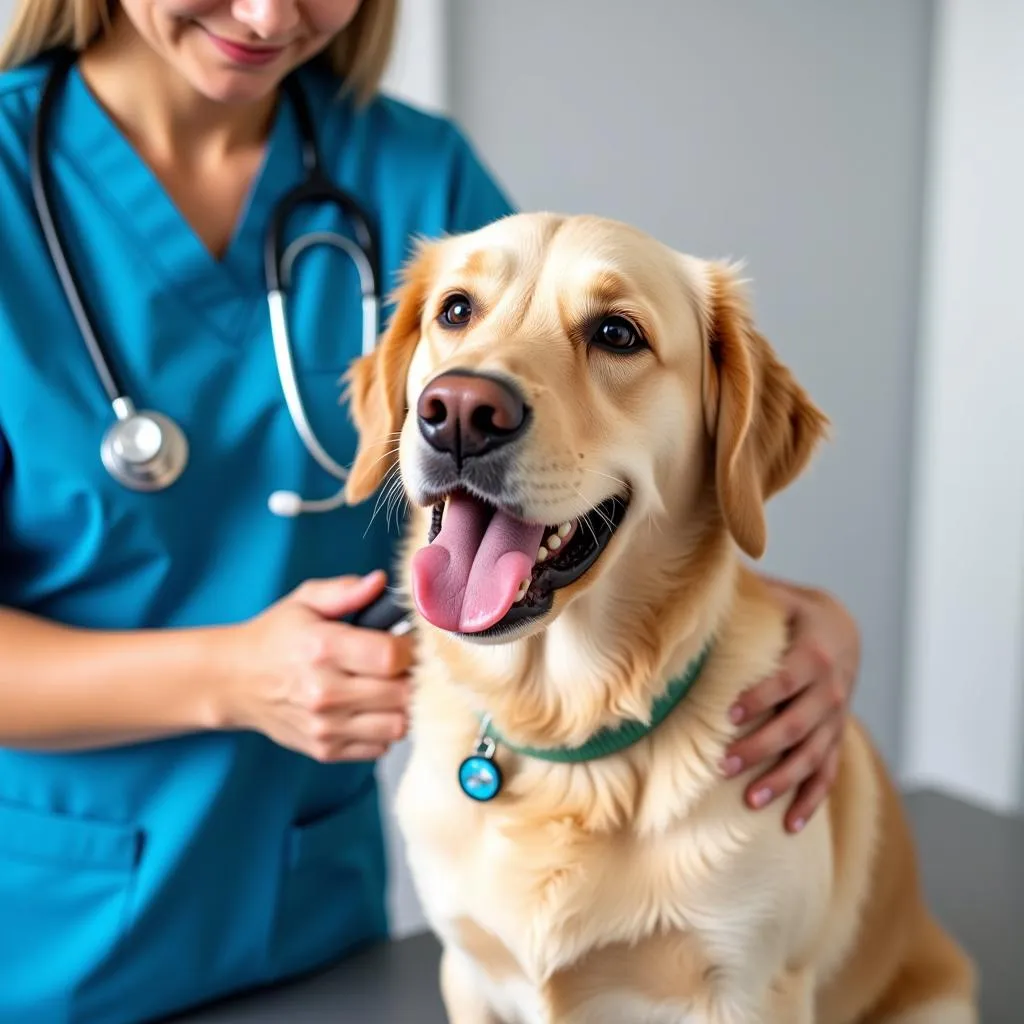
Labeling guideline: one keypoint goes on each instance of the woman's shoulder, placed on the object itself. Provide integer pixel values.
(397, 122)
(26, 79)
(424, 144)
(390, 125)
(20, 91)
(412, 129)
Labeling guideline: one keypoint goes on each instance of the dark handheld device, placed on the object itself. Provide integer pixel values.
(385, 614)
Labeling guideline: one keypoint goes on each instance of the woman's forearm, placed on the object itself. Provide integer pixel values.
(72, 689)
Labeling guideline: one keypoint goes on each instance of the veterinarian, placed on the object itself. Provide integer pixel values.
(187, 730)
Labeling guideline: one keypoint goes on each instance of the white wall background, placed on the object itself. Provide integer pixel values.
(418, 72)
(965, 682)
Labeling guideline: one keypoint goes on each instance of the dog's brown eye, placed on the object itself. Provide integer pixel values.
(617, 334)
(456, 311)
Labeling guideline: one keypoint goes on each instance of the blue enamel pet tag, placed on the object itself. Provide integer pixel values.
(479, 775)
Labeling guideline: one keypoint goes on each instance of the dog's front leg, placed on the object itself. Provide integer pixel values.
(463, 1001)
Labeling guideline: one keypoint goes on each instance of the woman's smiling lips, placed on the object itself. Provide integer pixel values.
(241, 53)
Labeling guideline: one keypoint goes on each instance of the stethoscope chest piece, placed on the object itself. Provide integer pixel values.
(143, 450)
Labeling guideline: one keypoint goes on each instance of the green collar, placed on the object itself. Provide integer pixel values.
(611, 740)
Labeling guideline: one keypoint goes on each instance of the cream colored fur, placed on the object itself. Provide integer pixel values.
(637, 888)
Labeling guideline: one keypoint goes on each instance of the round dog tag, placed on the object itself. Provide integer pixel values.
(479, 776)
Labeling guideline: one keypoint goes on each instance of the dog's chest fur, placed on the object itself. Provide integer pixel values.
(532, 899)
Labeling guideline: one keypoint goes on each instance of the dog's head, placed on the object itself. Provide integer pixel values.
(552, 386)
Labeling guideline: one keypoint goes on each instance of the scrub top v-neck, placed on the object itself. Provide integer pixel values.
(150, 878)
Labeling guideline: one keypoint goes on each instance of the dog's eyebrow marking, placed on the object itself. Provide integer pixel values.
(601, 290)
(488, 262)
(608, 287)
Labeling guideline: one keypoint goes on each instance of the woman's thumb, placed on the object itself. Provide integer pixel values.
(342, 595)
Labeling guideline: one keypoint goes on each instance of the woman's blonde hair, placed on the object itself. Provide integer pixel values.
(358, 54)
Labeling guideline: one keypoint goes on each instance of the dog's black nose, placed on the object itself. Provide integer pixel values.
(467, 414)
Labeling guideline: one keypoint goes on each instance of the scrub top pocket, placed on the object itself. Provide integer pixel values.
(65, 885)
(332, 881)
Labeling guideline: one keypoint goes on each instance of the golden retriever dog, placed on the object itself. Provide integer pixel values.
(587, 425)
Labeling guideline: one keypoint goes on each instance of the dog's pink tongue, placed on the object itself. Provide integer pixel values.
(467, 579)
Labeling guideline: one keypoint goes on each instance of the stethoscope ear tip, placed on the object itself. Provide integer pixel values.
(285, 503)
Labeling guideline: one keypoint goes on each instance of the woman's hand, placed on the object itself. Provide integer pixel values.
(810, 694)
(319, 686)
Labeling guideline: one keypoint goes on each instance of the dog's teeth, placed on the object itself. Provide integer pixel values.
(563, 530)
(542, 554)
(554, 542)
(523, 588)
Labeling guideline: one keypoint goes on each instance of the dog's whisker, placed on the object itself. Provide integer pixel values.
(392, 478)
(393, 472)
(394, 497)
(385, 439)
(380, 498)
(392, 440)
(401, 506)
(387, 521)
(598, 510)
(607, 476)
(391, 469)
(376, 509)
(604, 516)
(586, 519)
(389, 505)
(391, 475)
(388, 454)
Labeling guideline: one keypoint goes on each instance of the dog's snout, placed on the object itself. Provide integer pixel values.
(466, 414)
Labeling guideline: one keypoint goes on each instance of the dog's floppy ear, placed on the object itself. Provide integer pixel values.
(376, 383)
(764, 425)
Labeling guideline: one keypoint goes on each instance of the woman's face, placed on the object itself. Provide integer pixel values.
(237, 50)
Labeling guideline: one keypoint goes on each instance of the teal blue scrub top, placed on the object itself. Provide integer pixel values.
(139, 881)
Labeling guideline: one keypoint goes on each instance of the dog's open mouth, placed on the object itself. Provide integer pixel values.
(484, 570)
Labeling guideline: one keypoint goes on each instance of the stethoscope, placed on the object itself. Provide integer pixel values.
(146, 450)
